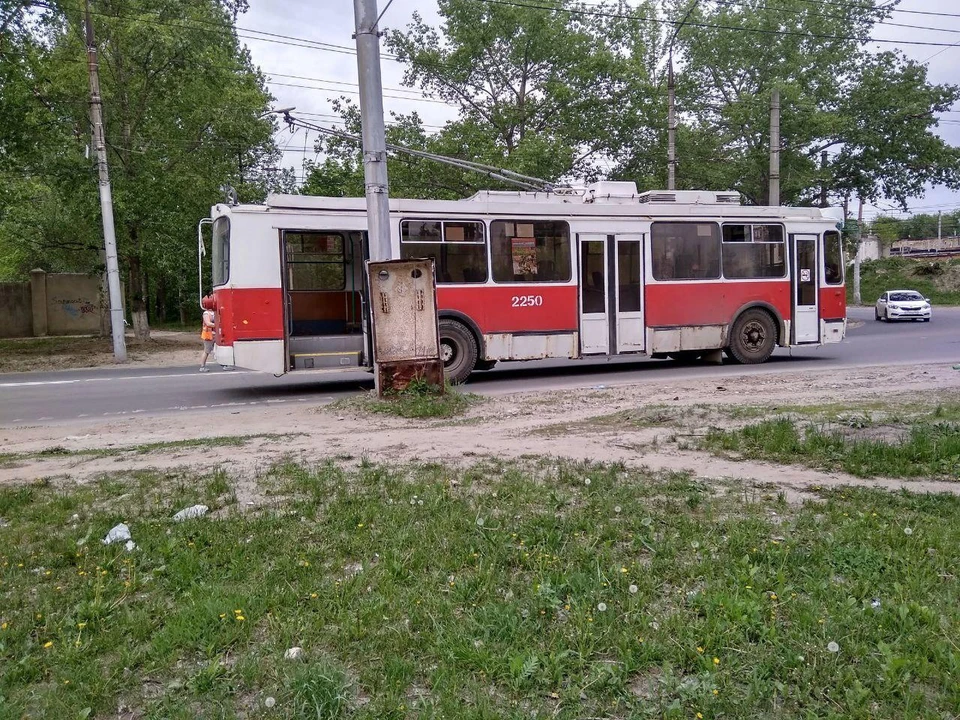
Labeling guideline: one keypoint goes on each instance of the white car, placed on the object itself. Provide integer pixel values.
(902, 305)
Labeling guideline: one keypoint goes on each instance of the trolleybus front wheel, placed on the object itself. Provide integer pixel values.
(458, 350)
(753, 338)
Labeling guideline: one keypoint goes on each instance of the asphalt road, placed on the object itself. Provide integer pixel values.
(52, 397)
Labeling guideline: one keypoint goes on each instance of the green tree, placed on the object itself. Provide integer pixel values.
(183, 109)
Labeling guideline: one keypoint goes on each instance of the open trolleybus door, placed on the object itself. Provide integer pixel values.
(805, 282)
(323, 288)
(611, 294)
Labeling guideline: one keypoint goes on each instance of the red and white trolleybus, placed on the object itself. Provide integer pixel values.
(598, 271)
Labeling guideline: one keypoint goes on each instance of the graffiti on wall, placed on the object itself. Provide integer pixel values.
(75, 308)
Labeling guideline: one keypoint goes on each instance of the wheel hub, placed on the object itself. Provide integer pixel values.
(753, 336)
(447, 353)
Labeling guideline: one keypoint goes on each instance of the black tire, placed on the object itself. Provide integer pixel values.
(876, 315)
(925, 320)
(458, 350)
(753, 338)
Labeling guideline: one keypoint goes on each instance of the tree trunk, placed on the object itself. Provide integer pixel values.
(138, 307)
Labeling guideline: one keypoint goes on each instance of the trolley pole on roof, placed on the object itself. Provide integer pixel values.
(373, 130)
(106, 197)
(774, 148)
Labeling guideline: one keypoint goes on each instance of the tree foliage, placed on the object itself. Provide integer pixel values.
(558, 89)
(182, 112)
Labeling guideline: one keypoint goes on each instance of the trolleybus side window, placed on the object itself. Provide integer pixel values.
(832, 258)
(754, 251)
(685, 250)
(221, 251)
(458, 248)
(315, 261)
(530, 251)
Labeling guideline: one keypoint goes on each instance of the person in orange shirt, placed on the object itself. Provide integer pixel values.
(206, 334)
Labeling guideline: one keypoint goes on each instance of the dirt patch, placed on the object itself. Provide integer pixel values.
(572, 424)
(164, 349)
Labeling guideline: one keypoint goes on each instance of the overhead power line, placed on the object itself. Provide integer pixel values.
(712, 26)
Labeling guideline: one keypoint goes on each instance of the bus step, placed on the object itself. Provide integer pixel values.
(310, 361)
(316, 344)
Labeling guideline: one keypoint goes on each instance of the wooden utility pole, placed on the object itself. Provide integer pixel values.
(106, 197)
(774, 148)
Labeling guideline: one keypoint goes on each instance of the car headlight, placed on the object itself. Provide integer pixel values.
(894, 307)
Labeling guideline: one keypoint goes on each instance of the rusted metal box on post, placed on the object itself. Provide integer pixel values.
(406, 336)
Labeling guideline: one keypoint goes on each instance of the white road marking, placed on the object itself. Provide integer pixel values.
(33, 383)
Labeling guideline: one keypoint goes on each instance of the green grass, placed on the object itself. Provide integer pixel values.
(923, 449)
(418, 400)
(938, 280)
(501, 590)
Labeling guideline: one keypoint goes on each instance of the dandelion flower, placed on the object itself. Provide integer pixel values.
(587, 481)
(240, 618)
(616, 509)
(716, 661)
(81, 625)
(602, 607)
(633, 589)
(48, 644)
(699, 716)
(833, 647)
(700, 650)
(716, 692)
(4, 626)
(623, 570)
(270, 702)
(313, 596)
(480, 522)
(908, 531)
(359, 525)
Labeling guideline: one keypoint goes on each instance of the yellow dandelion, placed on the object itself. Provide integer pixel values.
(48, 644)
(313, 596)
(773, 596)
(716, 661)
(4, 626)
(81, 625)
(240, 618)
(700, 650)
(359, 525)
(699, 716)
(238, 612)
(222, 615)
(623, 570)
(716, 692)
(39, 616)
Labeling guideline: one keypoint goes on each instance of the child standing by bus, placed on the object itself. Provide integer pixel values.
(206, 334)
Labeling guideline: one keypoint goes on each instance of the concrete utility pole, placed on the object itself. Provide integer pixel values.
(374, 134)
(856, 258)
(823, 182)
(106, 198)
(671, 129)
(774, 148)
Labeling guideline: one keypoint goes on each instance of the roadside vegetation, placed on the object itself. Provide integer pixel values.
(510, 590)
(938, 280)
(418, 400)
(911, 446)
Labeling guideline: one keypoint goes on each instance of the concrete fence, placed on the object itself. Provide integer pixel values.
(54, 304)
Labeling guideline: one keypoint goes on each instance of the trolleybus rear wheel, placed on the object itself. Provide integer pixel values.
(753, 338)
(458, 350)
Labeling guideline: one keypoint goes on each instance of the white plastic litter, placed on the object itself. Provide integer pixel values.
(118, 533)
(130, 546)
(195, 511)
(294, 653)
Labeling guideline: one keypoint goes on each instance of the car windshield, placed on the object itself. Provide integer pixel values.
(905, 296)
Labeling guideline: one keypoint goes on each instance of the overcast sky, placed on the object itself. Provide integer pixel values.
(330, 70)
